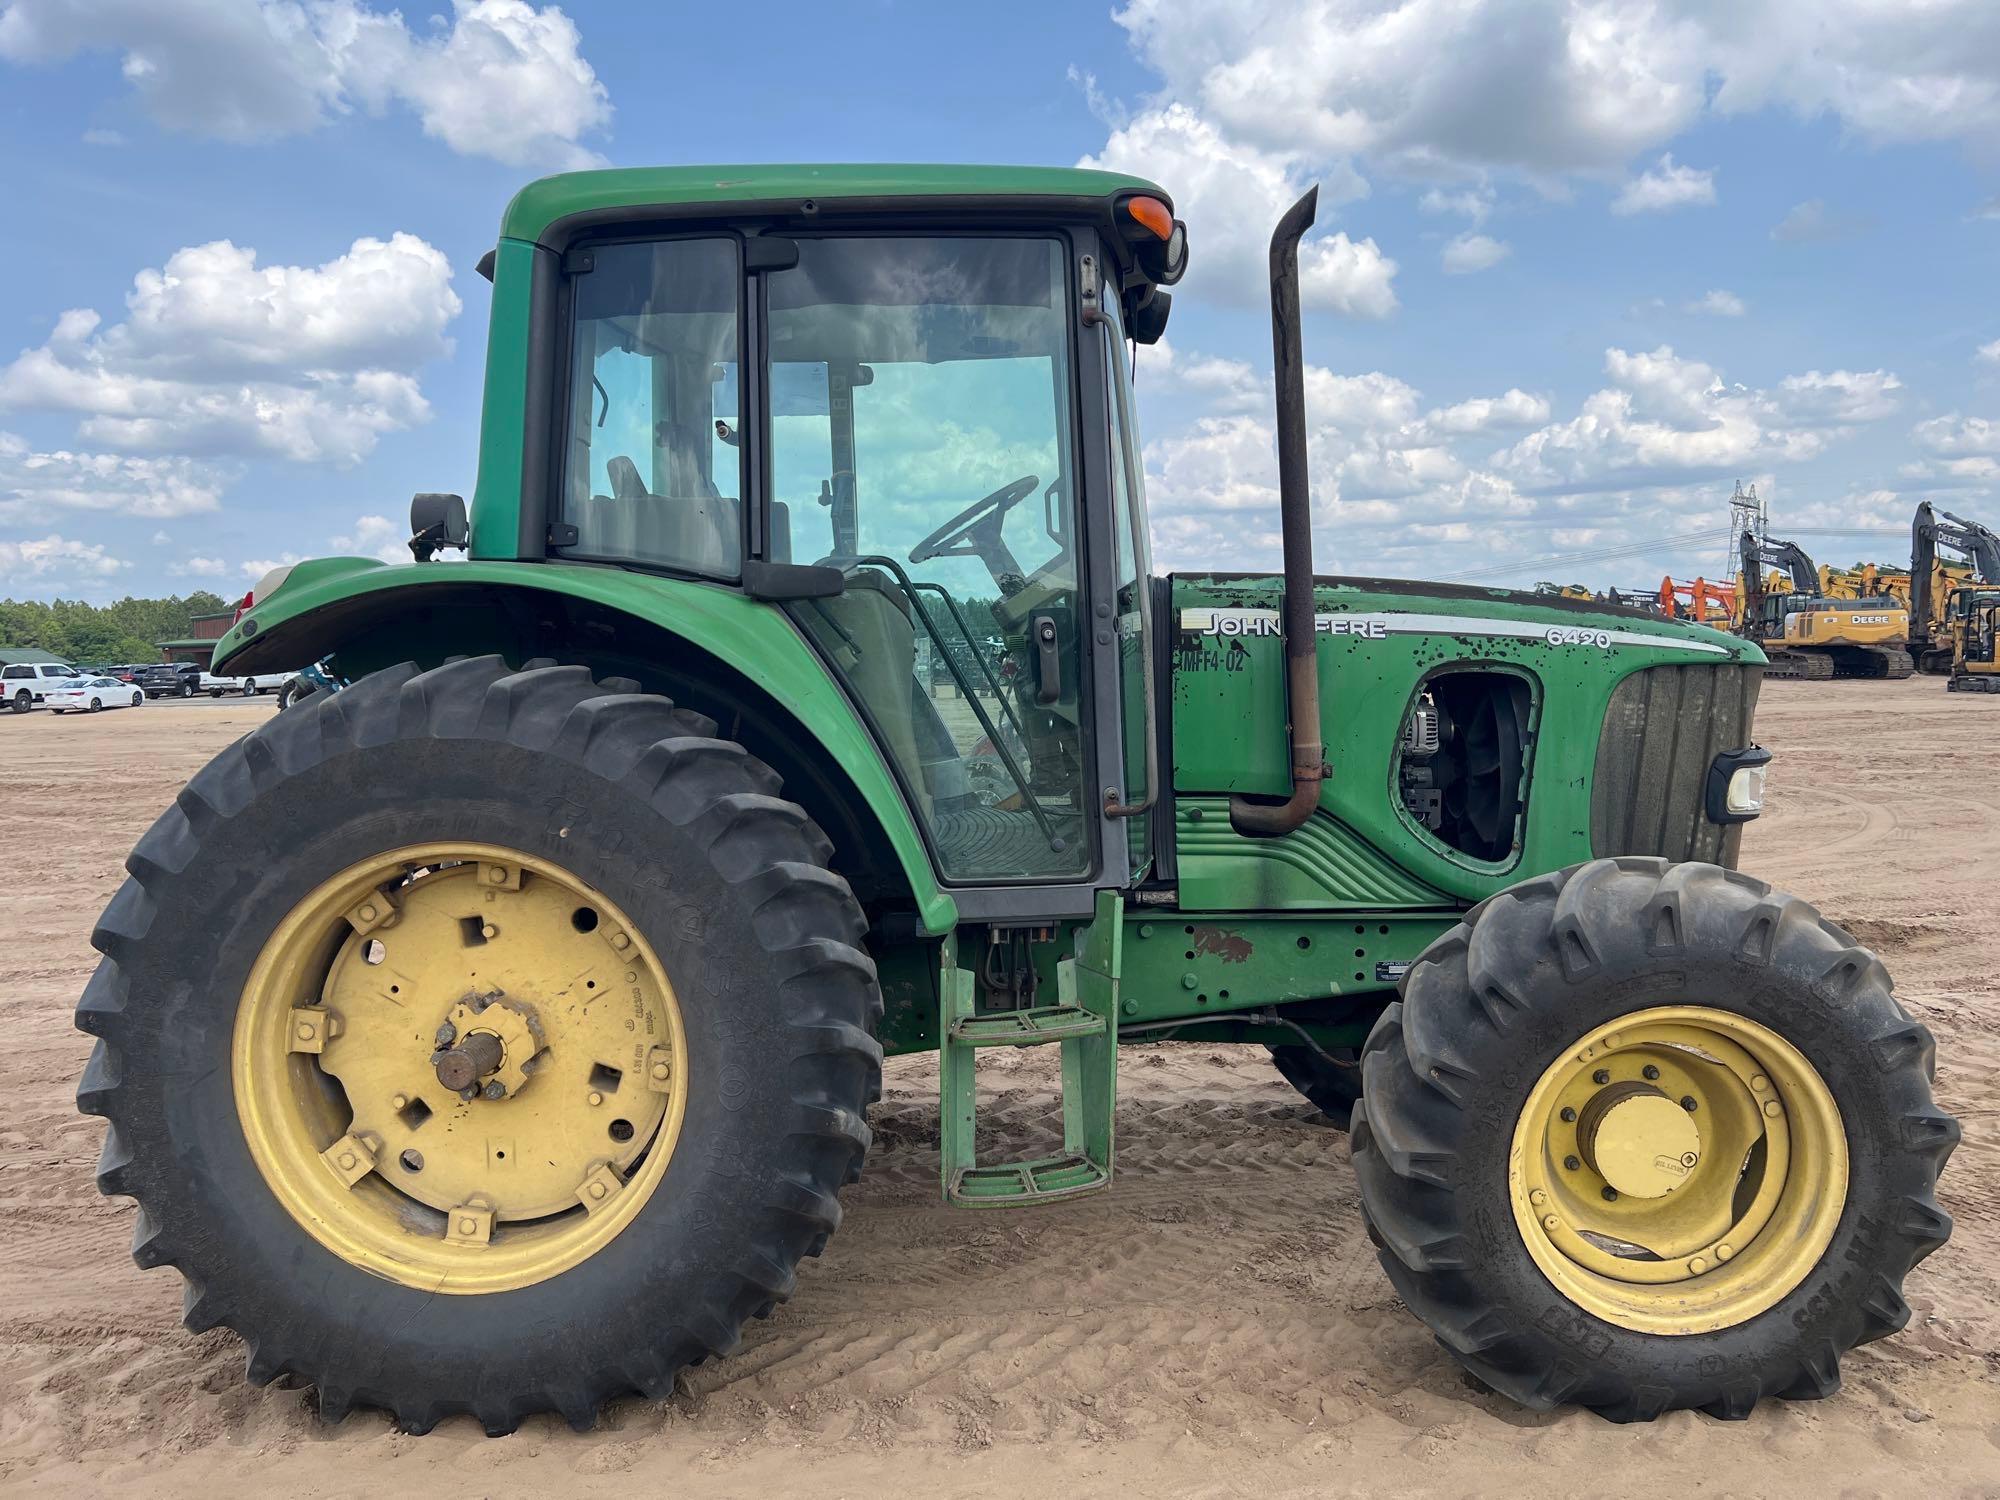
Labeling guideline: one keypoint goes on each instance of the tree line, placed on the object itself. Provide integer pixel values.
(70, 630)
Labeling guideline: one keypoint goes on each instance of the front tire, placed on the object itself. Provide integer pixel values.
(600, 789)
(1811, 1083)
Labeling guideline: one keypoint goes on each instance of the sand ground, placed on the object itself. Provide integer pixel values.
(1215, 1324)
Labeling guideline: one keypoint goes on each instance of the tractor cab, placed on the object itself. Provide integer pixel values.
(913, 420)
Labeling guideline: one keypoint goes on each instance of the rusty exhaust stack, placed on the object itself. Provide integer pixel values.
(1263, 819)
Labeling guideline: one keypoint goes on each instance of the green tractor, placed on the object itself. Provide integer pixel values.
(495, 1034)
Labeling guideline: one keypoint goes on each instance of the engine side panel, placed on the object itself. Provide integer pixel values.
(1528, 752)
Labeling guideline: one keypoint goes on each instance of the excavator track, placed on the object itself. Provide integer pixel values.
(1807, 664)
(1875, 661)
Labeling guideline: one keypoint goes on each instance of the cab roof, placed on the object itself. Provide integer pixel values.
(542, 204)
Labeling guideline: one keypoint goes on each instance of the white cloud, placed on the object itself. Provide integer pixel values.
(218, 355)
(1231, 195)
(200, 567)
(1718, 304)
(377, 536)
(1668, 185)
(1467, 253)
(56, 557)
(103, 138)
(1664, 420)
(1443, 83)
(1467, 86)
(1812, 222)
(1838, 398)
(503, 78)
(1486, 413)
(1989, 353)
(1475, 203)
(1954, 436)
(34, 483)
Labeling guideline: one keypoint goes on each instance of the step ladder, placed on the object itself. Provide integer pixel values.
(1083, 1022)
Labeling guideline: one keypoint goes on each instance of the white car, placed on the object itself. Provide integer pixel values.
(26, 683)
(249, 686)
(91, 694)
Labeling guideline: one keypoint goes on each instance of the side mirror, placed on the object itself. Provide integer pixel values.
(437, 521)
(1147, 322)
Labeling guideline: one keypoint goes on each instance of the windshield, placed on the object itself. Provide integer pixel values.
(920, 442)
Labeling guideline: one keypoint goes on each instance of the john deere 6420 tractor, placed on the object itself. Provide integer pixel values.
(496, 1034)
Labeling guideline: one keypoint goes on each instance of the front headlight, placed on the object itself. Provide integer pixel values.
(1735, 791)
(1746, 791)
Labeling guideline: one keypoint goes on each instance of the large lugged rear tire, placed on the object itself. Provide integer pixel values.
(714, 1137)
(1640, 986)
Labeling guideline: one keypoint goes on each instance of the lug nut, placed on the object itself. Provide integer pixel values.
(1687, 1103)
(1569, 1114)
(1611, 1195)
(1649, 1072)
(1602, 1075)
(1571, 1163)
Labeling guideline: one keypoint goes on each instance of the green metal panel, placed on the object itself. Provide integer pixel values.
(1185, 964)
(1378, 640)
(542, 203)
(739, 630)
(496, 502)
(1322, 866)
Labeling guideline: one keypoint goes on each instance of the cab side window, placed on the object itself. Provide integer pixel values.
(653, 465)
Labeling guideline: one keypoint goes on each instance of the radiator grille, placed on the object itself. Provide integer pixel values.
(1663, 729)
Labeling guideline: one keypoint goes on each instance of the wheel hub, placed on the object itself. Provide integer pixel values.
(486, 1047)
(1678, 1170)
(460, 1067)
(1638, 1140)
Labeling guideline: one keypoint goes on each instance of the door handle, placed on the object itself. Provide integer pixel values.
(1048, 660)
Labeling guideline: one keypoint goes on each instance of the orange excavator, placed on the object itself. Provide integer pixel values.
(1696, 599)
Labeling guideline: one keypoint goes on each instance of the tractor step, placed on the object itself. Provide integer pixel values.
(1027, 1028)
(1083, 1022)
(1041, 1181)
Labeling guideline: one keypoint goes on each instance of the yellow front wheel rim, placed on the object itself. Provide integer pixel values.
(460, 1068)
(1679, 1170)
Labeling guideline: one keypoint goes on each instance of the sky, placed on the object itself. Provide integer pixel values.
(1581, 266)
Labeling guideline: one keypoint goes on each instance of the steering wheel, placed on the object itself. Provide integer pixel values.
(979, 524)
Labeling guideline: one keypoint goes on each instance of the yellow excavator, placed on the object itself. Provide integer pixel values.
(1808, 633)
(1972, 623)
(1939, 617)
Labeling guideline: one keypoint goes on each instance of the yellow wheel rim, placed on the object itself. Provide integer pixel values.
(459, 1068)
(1679, 1170)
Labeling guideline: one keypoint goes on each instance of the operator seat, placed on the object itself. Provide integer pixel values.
(695, 526)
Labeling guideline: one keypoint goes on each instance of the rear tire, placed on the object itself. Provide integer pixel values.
(1514, 990)
(629, 796)
(22, 701)
(1327, 1086)
(97, 705)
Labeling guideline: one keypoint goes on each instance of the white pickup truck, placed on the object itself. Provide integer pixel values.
(249, 686)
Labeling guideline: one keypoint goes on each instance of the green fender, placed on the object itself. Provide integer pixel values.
(320, 605)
